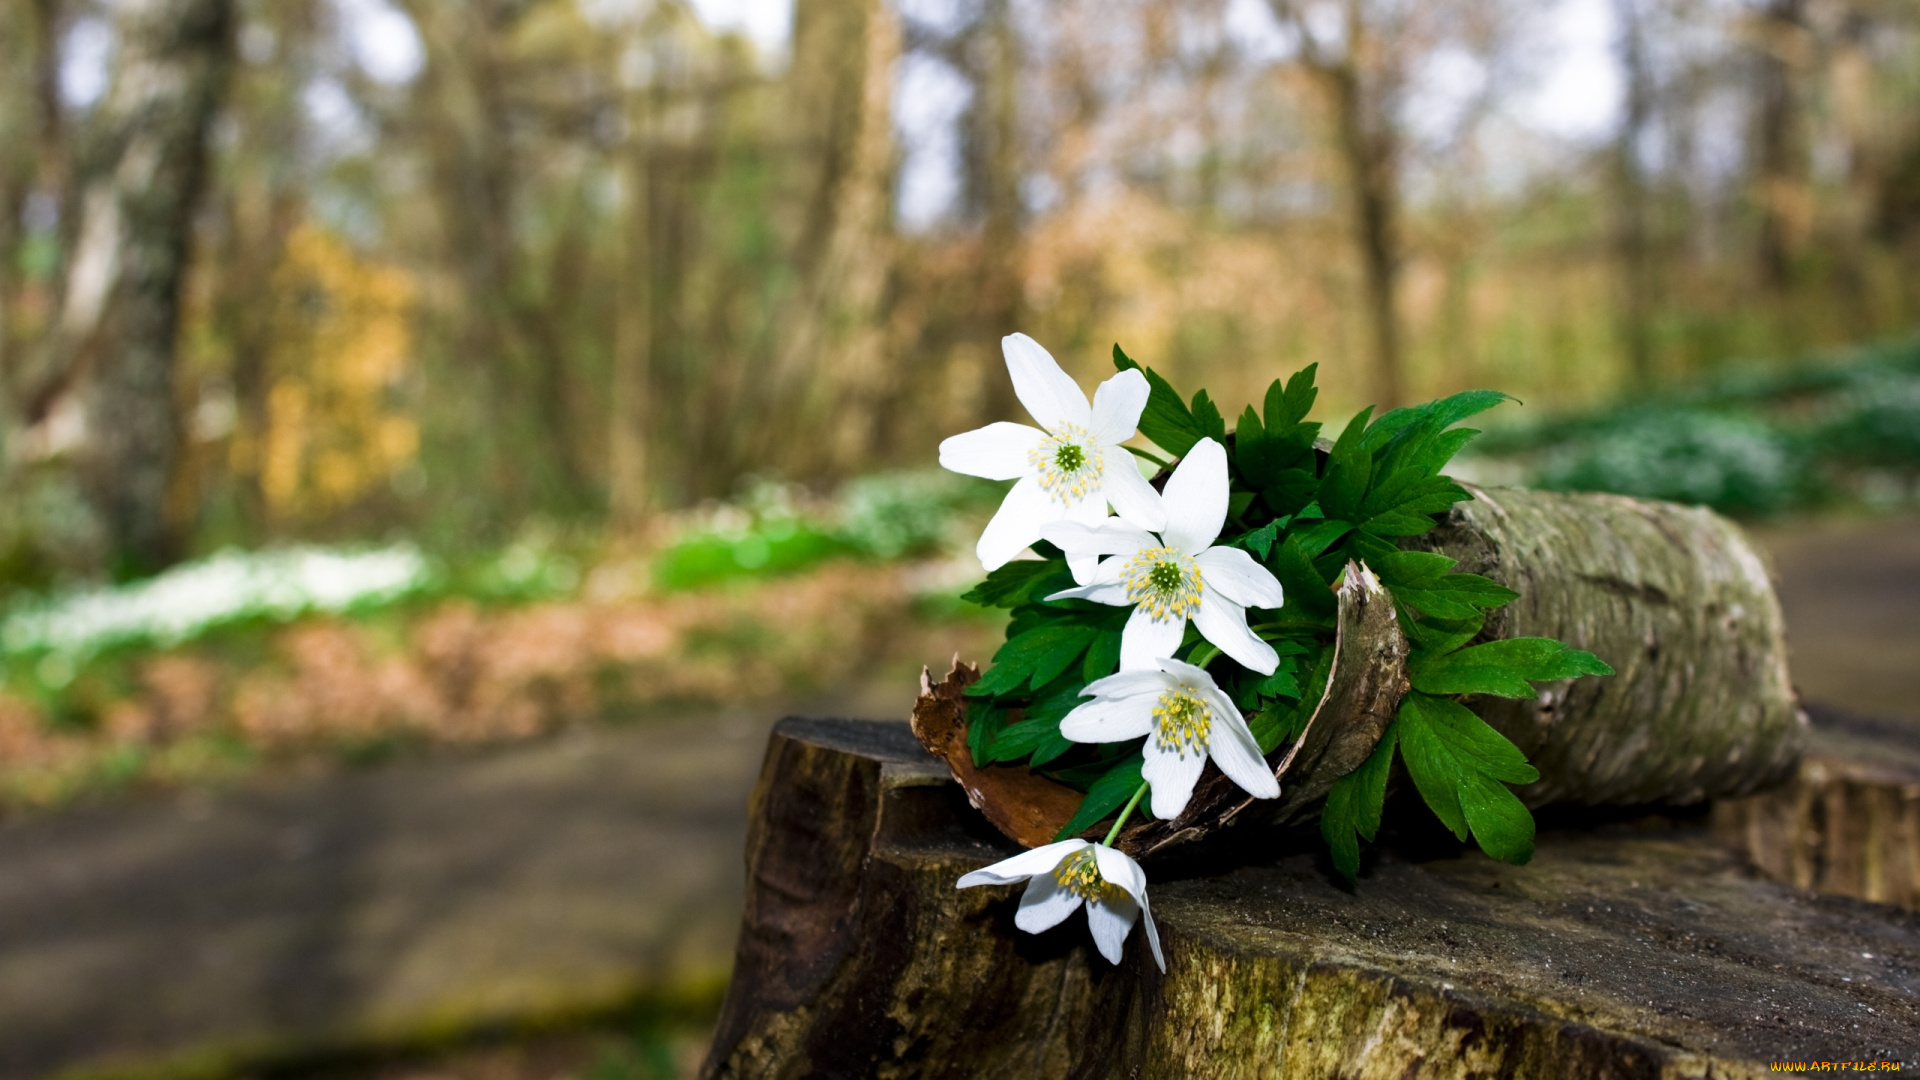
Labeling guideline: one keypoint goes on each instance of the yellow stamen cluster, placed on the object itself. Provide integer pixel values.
(1163, 581)
(1079, 874)
(1182, 721)
(1069, 463)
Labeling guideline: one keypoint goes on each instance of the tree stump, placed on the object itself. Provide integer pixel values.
(1628, 950)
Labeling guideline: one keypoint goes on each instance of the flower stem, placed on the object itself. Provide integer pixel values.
(1125, 812)
(1203, 655)
(1149, 456)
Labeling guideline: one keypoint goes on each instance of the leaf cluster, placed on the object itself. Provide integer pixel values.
(1304, 508)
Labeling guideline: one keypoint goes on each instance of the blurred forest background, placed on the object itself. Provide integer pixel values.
(448, 352)
(330, 269)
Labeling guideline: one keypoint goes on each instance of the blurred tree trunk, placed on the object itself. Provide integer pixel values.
(996, 133)
(521, 363)
(1632, 247)
(839, 97)
(630, 488)
(1360, 79)
(1780, 169)
(113, 337)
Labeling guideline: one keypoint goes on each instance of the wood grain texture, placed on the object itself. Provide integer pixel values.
(1643, 951)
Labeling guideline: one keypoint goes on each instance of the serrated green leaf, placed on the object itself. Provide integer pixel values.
(1472, 740)
(1061, 649)
(1206, 417)
(1040, 653)
(1433, 636)
(1282, 722)
(1291, 406)
(1433, 769)
(984, 724)
(1282, 683)
(1052, 745)
(1106, 795)
(1457, 762)
(1504, 668)
(1349, 469)
(1012, 584)
(1166, 419)
(1456, 596)
(1409, 569)
(1354, 804)
(1499, 820)
(1260, 541)
(1305, 589)
(1321, 535)
(1016, 741)
(1291, 491)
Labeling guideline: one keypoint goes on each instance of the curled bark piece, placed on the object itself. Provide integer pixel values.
(1364, 687)
(1673, 597)
(1027, 807)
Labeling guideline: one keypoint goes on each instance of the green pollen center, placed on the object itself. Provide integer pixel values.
(1080, 875)
(1165, 577)
(1069, 457)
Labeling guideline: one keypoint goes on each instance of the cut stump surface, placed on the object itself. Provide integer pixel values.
(1623, 952)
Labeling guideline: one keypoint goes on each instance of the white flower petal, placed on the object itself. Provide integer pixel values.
(1044, 905)
(997, 451)
(1016, 525)
(1117, 405)
(1050, 395)
(1224, 623)
(1172, 777)
(1082, 566)
(1117, 868)
(1233, 748)
(1040, 860)
(1131, 683)
(1147, 639)
(1185, 672)
(1108, 537)
(1132, 497)
(1105, 720)
(1100, 592)
(1196, 498)
(1236, 576)
(1111, 919)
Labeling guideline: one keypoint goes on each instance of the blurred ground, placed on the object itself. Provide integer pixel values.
(1851, 591)
(561, 881)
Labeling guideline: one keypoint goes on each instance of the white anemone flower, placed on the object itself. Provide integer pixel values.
(1187, 720)
(1071, 470)
(1177, 575)
(1061, 877)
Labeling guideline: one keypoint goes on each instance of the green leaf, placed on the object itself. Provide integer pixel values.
(984, 724)
(1434, 771)
(1456, 596)
(1281, 722)
(1504, 668)
(1103, 656)
(1016, 741)
(1282, 683)
(1052, 746)
(1040, 653)
(1349, 468)
(1108, 794)
(1306, 591)
(1472, 739)
(1499, 820)
(1260, 541)
(1320, 536)
(1206, 416)
(1290, 491)
(1166, 419)
(1353, 807)
(1012, 584)
(1290, 406)
(1457, 762)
